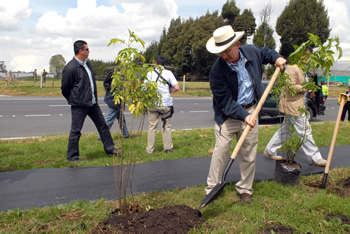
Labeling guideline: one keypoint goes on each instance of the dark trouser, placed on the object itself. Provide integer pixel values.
(346, 109)
(79, 114)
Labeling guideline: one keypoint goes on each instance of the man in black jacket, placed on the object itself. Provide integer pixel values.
(79, 88)
(235, 81)
(114, 110)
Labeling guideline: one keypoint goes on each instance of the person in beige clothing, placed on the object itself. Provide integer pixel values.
(166, 83)
(290, 105)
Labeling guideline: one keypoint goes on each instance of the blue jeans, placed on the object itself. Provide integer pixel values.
(114, 113)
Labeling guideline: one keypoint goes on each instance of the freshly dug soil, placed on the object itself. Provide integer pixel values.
(344, 219)
(279, 229)
(169, 219)
(342, 188)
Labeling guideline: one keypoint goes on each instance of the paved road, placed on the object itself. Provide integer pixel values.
(38, 116)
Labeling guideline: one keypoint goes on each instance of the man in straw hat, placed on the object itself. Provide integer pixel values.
(235, 81)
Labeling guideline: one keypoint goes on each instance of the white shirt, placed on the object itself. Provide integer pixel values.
(163, 89)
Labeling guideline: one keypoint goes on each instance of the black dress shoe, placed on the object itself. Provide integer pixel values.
(73, 159)
(116, 151)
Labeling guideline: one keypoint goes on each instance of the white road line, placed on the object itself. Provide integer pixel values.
(199, 111)
(57, 105)
(46, 115)
(69, 105)
(18, 138)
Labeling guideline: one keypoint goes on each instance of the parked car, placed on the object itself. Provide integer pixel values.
(316, 105)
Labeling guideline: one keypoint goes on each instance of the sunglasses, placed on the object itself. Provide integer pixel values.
(87, 49)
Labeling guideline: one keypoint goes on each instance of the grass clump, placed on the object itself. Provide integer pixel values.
(303, 208)
(50, 151)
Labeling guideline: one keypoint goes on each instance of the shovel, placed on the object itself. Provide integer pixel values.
(342, 98)
(215, 192)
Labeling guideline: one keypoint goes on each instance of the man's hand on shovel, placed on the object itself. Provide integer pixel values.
(249, 120)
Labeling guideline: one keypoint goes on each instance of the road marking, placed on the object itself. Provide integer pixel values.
(69, 105)
(18, 138)
(57, 105)
(199, 111)
(46, 115)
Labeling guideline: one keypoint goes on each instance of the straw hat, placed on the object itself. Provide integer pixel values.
(223, 38)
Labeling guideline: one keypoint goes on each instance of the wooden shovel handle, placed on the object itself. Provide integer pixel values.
(256, 112)
(335, 133)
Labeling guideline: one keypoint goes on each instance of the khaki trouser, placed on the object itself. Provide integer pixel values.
(153, 118)
(246, 156)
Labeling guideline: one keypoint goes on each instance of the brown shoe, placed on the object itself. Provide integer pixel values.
(116, 151)
(245, 197)
(320, 163)
(273, 157)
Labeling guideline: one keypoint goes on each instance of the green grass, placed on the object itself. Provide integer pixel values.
(302, 208)
(50, 88)
(192, 89)
(50, 151)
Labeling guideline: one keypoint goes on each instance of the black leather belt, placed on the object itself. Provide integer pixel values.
(249, 105)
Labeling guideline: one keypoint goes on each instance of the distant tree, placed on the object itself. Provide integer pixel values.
(151, 52)
(299, 18)
(183, 44)
(264, 37)
(229, 12)
(57, 63)
(264, 34)
(246, 23)
(101, 68)
(203, 29)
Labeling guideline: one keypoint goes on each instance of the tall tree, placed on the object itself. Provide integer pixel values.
(264, 34)
(246, 23)
(151, 52)
(299, 18)
(57, 63)
(202, 31)
(230, 11)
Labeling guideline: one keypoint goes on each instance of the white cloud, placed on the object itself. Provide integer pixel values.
(12, 14)
(30, 37)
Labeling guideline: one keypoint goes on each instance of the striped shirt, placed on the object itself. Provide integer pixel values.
(245, 83)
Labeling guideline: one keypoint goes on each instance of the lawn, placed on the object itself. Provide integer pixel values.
(50, 151)
(53, 88)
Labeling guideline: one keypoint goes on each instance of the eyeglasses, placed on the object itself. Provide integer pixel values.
(226, 52)
(87, 49)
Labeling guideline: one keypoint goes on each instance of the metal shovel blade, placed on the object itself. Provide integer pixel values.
(214, 193)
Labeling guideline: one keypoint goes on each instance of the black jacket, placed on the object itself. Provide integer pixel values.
(109, 98)
(224, 82)
(76, 86)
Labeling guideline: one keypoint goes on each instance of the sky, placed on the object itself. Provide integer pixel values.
(32, 31)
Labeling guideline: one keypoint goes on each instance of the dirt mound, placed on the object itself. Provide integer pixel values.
(169, 219)
(344, 219)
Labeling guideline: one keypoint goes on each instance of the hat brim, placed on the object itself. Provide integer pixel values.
(212, 48)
